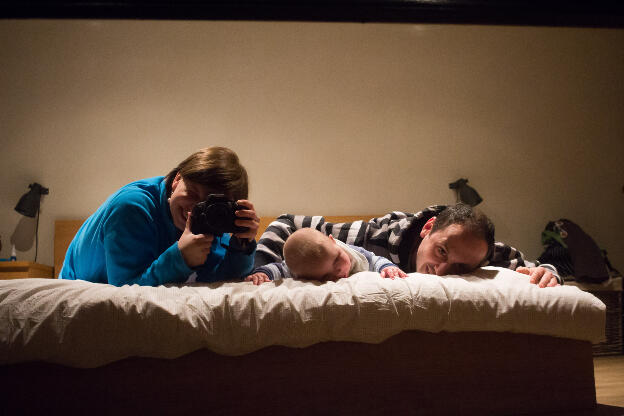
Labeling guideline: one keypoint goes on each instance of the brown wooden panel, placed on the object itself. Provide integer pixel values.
(64, 232)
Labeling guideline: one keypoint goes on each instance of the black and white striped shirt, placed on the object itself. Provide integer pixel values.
(390, 236)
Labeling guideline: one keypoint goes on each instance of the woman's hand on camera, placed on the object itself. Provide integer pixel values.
(247, 218)
(194, 247)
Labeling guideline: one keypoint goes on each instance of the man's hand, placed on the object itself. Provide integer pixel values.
(194, 247)
(539, 276)
(392, 272)
(257, 278)
(252, 222)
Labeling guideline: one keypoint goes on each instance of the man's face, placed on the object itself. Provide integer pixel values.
(451, 250)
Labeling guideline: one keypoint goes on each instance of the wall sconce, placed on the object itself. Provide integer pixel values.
(466, 194)
(30, 202)
(29, 205)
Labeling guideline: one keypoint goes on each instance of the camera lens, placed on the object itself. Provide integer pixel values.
(218, 213)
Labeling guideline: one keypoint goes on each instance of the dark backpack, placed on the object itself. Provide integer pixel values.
(573, 252)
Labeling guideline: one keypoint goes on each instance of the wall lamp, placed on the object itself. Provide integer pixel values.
(29, 205)
(465, 193)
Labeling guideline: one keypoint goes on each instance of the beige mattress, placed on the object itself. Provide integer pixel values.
(85, 324)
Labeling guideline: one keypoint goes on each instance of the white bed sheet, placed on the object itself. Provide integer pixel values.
(85, 324)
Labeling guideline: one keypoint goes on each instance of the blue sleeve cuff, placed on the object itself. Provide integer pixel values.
(264, 270)
(235, 244)
(386, 265)
(173, 256)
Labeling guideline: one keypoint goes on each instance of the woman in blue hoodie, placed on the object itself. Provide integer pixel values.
(141, 234)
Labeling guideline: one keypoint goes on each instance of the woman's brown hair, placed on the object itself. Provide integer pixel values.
(217, 168)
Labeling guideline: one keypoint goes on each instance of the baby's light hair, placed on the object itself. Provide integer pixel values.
(304, 249)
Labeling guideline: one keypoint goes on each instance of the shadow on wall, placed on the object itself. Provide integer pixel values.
(23, 237)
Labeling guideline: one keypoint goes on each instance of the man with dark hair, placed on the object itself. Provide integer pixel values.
(438, 240)
(456, 241)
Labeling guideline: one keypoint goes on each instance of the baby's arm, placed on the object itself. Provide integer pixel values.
(257, 278)
(392, 272)
(268, 272)
(381, 264)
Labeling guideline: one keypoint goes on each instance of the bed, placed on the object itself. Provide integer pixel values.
(488, 343)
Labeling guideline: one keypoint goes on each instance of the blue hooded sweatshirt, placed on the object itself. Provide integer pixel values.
(131, 239)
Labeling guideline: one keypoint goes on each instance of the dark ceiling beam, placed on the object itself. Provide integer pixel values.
(598, 13)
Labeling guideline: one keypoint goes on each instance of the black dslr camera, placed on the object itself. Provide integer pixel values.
(216, 216)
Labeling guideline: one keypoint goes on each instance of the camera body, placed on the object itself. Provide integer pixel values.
(216, 215)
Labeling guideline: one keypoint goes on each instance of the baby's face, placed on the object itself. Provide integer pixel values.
(335, 266)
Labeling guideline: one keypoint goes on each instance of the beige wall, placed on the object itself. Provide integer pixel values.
(329, 118)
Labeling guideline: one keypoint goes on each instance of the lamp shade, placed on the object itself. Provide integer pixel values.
(28, 204)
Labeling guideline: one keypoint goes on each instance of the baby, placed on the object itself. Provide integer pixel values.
(312, 255)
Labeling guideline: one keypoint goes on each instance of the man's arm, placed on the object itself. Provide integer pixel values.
(511, 258)
(271, 244)
(392, 235)
(382, 235)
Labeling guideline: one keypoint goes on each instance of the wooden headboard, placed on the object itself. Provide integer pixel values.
(64, 231)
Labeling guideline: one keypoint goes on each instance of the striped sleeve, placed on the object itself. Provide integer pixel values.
(275, 271)
(508, 257)
(271, 244)
(378, 263)
(511, 258)
(375, 263)
(385, 234)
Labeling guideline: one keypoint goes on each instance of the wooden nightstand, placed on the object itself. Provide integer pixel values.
(23, 269)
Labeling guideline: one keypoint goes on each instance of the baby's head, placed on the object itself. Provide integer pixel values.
(310, 254)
